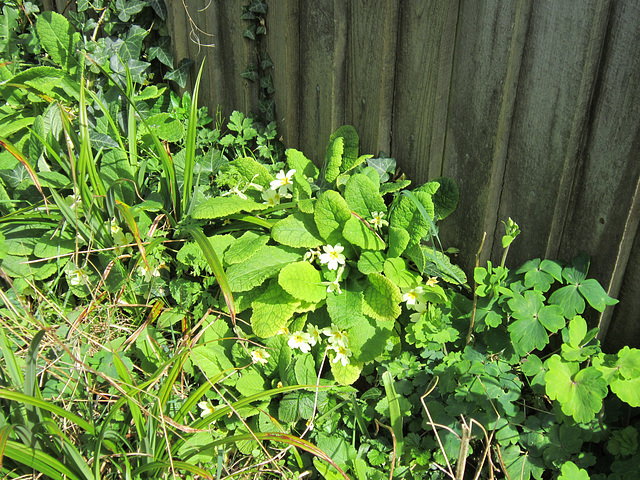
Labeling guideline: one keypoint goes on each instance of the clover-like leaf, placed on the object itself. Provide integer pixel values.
(593, 292)
(579, 392)
(627, 390)
(533, 319)
(570, 471)
(301, 280)
(381, 298)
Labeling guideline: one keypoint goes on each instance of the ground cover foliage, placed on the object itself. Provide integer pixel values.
(184, 298)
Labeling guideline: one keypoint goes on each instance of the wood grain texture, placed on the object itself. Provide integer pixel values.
(489, 46)
(371, 72)
(426, 36)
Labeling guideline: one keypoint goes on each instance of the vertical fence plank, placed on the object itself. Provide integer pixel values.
(426, 36)
(551, 101)
(604, 214)
(490, 41)
(283, 46)
(323, 41)
(370, 72)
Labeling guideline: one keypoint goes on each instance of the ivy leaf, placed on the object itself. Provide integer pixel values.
(330, 215)
(297, 230)
(381, 298)
(132, 44)
(363, 196)
(302, 281)
(579, 392)
(357, 233)
(162, 52)
(127, 8)
(218, 207)
(159, 7)
(265, 263)
(272, 310)
(180, 73)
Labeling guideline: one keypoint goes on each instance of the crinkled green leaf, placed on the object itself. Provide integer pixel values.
(333, 159)
(166, 127)
(218, 207)
(301, 164)
(250, 383)
(264, 264)
(331, 214)
(253, 171)
(302, 281)
(346, 374)
(357, 233)
(345, 309)
(58, 38)
(350, 141)
(272, 310)
(297, 230)
(61, 244)
(406, 215)
(245, 247)
(445, 200)
(371, 262)
(362, 196)
(305, 370)
(398, 241)
(381, 298)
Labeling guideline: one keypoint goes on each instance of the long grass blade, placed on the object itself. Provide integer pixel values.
(125, 211)
(190, 147)
(39, 461)
(216, 267)
(395, 414)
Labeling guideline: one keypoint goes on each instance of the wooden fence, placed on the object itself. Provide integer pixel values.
(533, 107)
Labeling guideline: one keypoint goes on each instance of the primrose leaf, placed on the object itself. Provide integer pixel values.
(166, 127)
(219, 207)
(398, 240)
(346, 374)
(345, 309)
(381, 298)
(272, 310)
(302, 281)
(407, 214)
(265, 263)
(58, 38)
(301, 164)
(579, 392)
(350, 141)
(395, 269)
(245, 247)
(298, 230)
(370, 262)
(333, 159)
(445, 200)
(253, 171)
(331, 214)
(363, 196)
(305, 370)
(357, 233)
(593, 292)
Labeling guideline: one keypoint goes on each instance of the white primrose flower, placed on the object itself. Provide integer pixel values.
(342, 354)
(301, 340)
(283, 183)
(336, 336)
(432, 282)
(332, 256)
(206, 407)
(335, 285)
(413, 295)
(76, 277)
(150, 272)
(271, 197)
(115, 228)
(260, 355)
(377, 221)
(314, 332)
(311, 255)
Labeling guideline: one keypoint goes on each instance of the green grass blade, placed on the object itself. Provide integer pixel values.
(15, 373)
(72, 455)
(176, 464)
(125, 211)
(21, 398)
(39, 461)
(87, 161)
(216, 267)
(190, 147)
(395, 415)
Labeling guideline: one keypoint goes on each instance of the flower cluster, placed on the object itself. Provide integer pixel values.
(281, 188)
(338, 341)
(415, 298)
